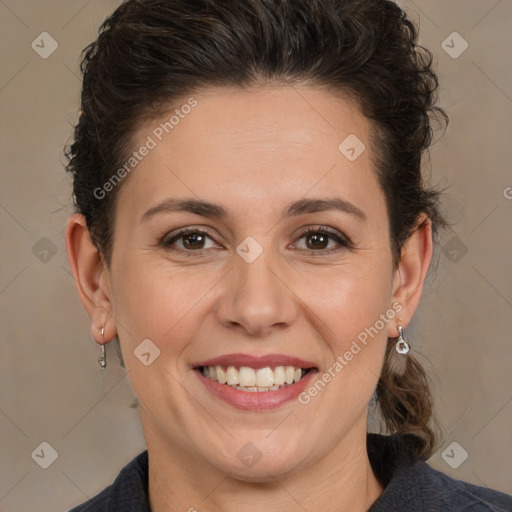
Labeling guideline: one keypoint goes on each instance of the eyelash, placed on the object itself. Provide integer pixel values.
(166, 242)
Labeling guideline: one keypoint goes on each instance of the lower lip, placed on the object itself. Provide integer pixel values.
(256, 400)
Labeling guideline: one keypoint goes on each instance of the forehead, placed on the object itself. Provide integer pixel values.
(259, 121)
(260, 148)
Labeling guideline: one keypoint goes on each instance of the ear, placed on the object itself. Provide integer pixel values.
(91, 278)
(411, 271)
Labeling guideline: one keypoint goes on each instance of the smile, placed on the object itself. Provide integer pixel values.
(249, 379)
(254, 397)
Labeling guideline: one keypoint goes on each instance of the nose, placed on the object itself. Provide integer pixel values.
(257, 299)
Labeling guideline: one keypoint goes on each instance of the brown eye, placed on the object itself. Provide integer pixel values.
(193, 241)
(317, 240)
(186, 241)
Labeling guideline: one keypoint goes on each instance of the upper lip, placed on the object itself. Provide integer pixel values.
(270, 360)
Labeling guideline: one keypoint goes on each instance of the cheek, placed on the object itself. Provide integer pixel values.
(350, 298)
(149, 300)
(169, 305)
(352, 312)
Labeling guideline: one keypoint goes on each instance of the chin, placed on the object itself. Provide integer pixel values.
(250, 464)
(262, 473)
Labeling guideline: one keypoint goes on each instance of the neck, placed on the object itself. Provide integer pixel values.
(341, 481)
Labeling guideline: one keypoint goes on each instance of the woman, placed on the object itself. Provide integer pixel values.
(253, 227)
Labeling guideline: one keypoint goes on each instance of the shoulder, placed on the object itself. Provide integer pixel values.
(414, 486)
(466, 496)
(431, 490)
(127, 492)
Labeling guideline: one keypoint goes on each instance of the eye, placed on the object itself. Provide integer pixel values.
(192, 241)
(317, 239)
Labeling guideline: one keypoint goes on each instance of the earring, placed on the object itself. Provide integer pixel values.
(402, 347)
(103, 354)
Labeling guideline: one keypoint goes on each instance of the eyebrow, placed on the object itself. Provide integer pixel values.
(213, 210)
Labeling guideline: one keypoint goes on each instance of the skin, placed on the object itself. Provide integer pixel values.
(253, 152)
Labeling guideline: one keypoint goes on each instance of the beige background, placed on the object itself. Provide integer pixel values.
(51, 389)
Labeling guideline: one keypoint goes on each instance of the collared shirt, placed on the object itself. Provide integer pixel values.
(410, 485)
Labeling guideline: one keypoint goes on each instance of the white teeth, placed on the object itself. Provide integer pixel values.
(232, 376)
(221, 375)
(247, 376)
(265, 377)
(249, 379)
(279, 377)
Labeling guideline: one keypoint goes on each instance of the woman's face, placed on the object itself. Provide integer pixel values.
(250, 283)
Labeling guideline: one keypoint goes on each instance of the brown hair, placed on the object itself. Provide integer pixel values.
(151, 53)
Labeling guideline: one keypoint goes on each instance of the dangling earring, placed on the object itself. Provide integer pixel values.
(103, 354)
(398, 363)
(402, 347)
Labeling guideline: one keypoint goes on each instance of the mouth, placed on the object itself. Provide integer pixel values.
(248, 379)
(255, 383)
